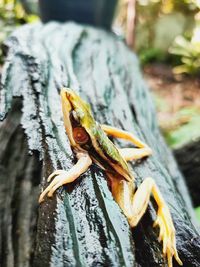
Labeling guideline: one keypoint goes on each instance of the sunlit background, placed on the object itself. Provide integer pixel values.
(165, 34)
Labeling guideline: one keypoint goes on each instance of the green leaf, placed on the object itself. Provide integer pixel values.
(181, 69)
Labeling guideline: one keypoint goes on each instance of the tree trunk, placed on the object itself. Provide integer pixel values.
(81, 225)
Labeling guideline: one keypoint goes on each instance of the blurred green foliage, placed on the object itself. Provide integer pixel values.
(186, 132)
(181, 127)
(189, 52)
(170, 25)
(156, 17)
(197, 211)
(149, 55)
(12, 14)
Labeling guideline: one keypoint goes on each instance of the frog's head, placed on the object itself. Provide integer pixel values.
(77, 117)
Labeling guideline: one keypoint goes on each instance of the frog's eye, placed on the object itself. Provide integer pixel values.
(80, 135)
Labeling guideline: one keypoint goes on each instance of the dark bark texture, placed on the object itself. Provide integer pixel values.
(188, 158)
(81, 225)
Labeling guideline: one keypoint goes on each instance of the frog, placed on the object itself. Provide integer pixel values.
(91, 143)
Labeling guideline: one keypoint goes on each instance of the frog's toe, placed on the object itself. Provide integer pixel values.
(56, 186)
(167, 235)
(49, 187)
(55, 173)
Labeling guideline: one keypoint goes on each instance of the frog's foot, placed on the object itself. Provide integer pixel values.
(164, 221)
(60, 179)
(167, 234)
(55, 173)
(64, 177)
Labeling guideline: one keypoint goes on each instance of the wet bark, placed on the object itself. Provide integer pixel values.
(20, 177)
(81, 225)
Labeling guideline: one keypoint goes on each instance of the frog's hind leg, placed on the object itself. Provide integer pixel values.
(64, 177)
(164, 221)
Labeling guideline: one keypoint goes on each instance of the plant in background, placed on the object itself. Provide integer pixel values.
(150, 36)
(189, 53)
(188, 49)
(12, 14)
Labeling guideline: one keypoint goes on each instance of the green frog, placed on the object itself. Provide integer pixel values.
(90, 143)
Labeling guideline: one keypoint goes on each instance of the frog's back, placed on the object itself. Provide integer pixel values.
(106, 148)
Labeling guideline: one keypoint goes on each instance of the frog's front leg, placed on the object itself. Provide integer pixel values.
(143, 150)
(135, 204)
(64, 177)
(134, 153)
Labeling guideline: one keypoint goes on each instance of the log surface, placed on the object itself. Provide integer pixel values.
(81, 225)
(188, 158)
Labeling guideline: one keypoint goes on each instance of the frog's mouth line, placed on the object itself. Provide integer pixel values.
(71, 122)
(67, 109)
